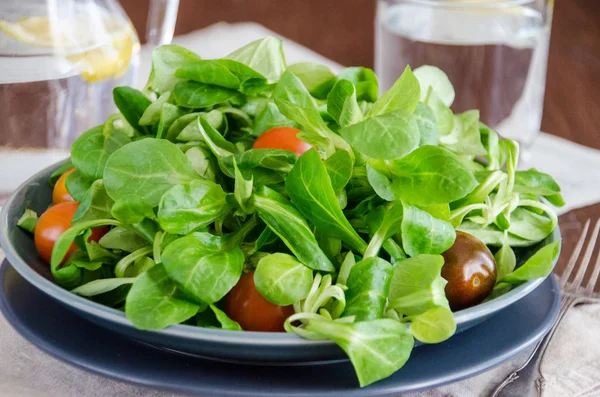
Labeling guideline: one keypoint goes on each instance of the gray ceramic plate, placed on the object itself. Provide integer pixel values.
(96, 349)
(227, 345)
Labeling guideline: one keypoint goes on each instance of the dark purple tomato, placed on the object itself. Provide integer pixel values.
(470, 269)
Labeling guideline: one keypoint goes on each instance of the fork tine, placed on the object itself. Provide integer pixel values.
(589, 290)
(585, 261)
(573, 259)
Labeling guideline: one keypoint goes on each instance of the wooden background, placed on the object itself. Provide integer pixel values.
(343, 31)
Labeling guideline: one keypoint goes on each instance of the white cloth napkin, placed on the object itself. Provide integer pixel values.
(572, 365)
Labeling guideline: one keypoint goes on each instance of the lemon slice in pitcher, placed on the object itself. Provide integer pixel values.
(101, 47)
(109, 60)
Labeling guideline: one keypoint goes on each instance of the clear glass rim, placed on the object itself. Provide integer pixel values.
(467, 3)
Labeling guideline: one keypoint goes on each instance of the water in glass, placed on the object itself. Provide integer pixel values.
(494, 52)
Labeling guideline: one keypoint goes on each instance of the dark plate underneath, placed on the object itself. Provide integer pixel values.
(67, 336)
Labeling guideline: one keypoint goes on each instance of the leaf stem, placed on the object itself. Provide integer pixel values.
(124, 263)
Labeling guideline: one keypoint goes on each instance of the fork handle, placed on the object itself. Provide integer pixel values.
(523, 380)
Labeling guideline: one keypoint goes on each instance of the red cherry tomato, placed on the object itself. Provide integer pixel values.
(53, 223)
(252, 311)
(60, 193)
(282, 138)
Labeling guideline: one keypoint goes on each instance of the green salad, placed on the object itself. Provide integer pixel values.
(245, 194)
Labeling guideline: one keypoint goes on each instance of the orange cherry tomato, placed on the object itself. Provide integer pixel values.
(60, 193)
(253, 311)
(53, 223)
(282, 138)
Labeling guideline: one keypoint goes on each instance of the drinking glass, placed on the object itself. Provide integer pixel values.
(59, 62)
(495, 53)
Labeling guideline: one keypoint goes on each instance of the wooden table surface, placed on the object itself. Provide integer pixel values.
(343, 30)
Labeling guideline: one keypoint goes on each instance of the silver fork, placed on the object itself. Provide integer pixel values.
(529, 374)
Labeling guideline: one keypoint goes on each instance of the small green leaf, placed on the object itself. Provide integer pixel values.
(289, 225)
(95, 204)
(65, 240)
(224, 320)
(166, 59)
(208, 72)
(311, 192)
(77, 185)
(270, 159)
(505, 261)
(243, 189)
(417, 285)
(201, 268)
(368, 287)
(155, 303)
(404, 95)
(431, 77)
(153, 112)
(364, 79)
(251, 81)
(92, 149)
(268, 116)
(64, 167)
(434, 326)
(218, 145)
(376, 348)
(119, 238)
(443, 114)
(192, 132)
(339, 169)
(176, 128)
(265, 56)
(491, 235)
(427, 123)
(203, 162)
(465, 137)
(389, 225)
(398, 129)
(194, 95)
(169, 113)
(146, 168)
(529, 225)
(314, 76)
(431, 175)
(98, 287)
(342, 104)
(28, 220)
(535, 182)
(124, 264)
(131, 209)
(346, 268)
(295, 103)
(379, 180)
(188, 207)
(538, 266)
(422, 233)
(282, 279)
(132, 104)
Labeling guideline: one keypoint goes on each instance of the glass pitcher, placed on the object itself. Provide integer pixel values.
(59, 62)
